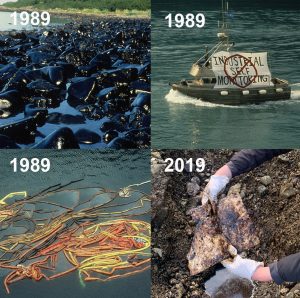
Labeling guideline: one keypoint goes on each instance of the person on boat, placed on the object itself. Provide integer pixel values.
(287, 268)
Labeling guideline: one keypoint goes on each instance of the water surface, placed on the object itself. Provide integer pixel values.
(111, 169)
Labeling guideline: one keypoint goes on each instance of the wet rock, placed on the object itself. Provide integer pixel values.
(110, 135)
(106, 94)
(101, 61)
(43, 88)
(62, 138)
(22, 131)
(54, 73)
(121, 143)
(110, 125)
(85, 136)
(10, 102)
(100, 65)
(6, 72)
(40, 57)
(39, 114)
(7, 143)
(143, 101)
(266, 180)
(80, 89)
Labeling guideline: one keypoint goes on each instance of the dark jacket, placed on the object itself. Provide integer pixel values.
(248, 159)
(288, 268)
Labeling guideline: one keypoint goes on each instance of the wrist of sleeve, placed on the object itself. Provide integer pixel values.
(275, 273)
(233, 169)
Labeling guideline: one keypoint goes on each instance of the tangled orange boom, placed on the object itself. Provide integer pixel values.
(90, 236)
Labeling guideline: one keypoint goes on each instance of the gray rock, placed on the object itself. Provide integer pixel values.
(265, 180)
(156, 154)
(180, 290)
(158, 251)
(262, 190)
(196, 180)
(287, 190)
(192, 188)
(284, 290)
(290, 295)
(234, 189)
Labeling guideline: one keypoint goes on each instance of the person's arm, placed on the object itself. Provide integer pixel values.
(262, 274)
(242, 161)
(286, 269)
(248, 159)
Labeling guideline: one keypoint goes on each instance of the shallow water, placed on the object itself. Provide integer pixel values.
(109, 169)
(181, 122)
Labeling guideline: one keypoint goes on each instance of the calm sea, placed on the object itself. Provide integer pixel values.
(182, 122)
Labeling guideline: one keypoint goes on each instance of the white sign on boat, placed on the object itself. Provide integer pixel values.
(241, 70)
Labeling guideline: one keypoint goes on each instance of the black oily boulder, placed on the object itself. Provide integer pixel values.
(106, 94)
(121, 143)
(18, 81)
(21, 131)
(55, 74)
(143, 100)
(101, 61)
(39, 114)
(43, 88)
(40, 57)
(7, 71)
(85, 136)
(110, 135)
(110, 125)
(11, 100)
(141, 85)
(34, 74)
(62, 138)
(7, 143)
(68, 69)
(80, 89)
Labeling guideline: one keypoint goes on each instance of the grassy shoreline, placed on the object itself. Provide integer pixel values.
(72, 12)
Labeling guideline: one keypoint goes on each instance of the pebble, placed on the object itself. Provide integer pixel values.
(158, 251)
(266, 180)
(262, 190)
(192, 189)
(287, 190)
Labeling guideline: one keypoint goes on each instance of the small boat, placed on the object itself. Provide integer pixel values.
(224, 76)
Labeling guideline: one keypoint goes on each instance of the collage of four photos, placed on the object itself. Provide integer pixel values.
(149, 149)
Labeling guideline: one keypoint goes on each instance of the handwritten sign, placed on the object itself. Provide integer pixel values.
(241, 70)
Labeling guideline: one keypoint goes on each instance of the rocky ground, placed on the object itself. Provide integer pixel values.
(85, 84)
(271, 195)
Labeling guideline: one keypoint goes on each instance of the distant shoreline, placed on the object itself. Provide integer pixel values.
(134, 14)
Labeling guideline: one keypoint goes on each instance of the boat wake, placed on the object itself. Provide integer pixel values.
(176, 97)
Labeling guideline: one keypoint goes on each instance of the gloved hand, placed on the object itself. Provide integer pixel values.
(242, 267)
(215, 185)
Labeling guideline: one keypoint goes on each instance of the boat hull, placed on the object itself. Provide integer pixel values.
(235, 96)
